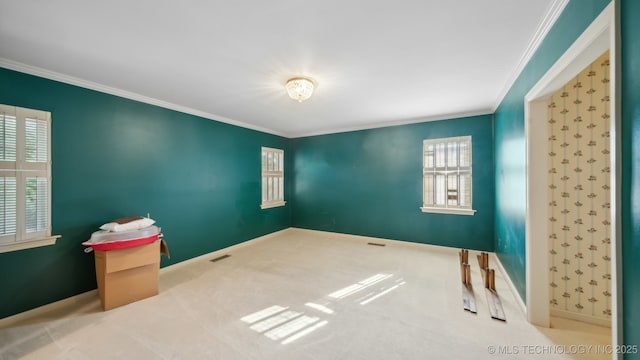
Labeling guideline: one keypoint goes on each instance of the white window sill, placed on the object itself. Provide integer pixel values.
(448, 211)
(272, 204)
(46, 241)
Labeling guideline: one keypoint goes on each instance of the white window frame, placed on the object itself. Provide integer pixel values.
(277, 191)
(21, 169)
(447, 208)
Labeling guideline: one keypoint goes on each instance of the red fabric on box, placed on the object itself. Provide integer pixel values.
(124, 244)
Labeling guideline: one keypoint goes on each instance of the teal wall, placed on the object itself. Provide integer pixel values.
(510, 156)
(112, 157)
(200, 178)
(369, 183)
(630, 59)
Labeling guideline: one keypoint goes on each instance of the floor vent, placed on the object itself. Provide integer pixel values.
(220, 258)
(376, 244)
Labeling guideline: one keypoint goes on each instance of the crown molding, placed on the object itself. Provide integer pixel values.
(52, 75)
(553, 12)
(393, 123)
(67, 79)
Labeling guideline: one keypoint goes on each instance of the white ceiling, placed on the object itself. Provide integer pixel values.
(375, 62)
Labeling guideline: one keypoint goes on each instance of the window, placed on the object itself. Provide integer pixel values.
(25, 178)
(272, 178)
(447, 176)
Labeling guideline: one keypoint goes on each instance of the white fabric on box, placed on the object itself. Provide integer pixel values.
(132, 225)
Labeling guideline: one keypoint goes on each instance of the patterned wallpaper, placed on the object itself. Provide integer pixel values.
(578, 194)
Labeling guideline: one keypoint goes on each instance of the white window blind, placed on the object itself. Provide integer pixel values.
(272, 177)
(25, 178)
(36, 145)
(447, 175)
(8, 208)
(36, 204)
(7, 137)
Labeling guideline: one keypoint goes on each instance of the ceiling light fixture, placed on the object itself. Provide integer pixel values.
(299, 88)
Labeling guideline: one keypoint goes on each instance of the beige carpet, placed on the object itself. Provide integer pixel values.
(306, 295)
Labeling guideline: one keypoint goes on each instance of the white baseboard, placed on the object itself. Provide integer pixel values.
(496, 260)
(553, 312)
(581, 317)
(8, 321)
(39, 311)
(84, 297)
(221, 252)
(514, 290)
(363, 238)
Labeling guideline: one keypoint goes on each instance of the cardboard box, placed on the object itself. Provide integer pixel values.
(127, 275)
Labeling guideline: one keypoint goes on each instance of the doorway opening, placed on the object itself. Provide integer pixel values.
(597, 39)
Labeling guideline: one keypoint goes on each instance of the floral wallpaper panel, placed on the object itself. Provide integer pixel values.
(579, 195)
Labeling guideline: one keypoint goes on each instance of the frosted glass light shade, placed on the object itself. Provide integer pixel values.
(299, 88)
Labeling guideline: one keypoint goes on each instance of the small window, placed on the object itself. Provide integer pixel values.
(25, 178)
(447, 176)
(272, 178)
